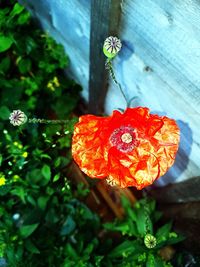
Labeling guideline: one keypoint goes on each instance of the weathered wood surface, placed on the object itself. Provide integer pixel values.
(183, 192)
(104, 22)
(159, 62)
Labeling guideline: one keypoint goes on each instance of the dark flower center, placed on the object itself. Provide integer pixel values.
(16, 116)
(124, 138)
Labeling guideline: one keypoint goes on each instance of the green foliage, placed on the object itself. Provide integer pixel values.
(43, 220)
(31, 66)
(5, 43)
(38, 209)
(137, 223)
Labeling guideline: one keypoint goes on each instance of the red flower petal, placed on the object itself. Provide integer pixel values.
(87, 150)
(130, 149)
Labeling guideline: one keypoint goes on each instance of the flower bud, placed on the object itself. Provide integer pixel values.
(150, 241)
(112, 46)
(17, 118)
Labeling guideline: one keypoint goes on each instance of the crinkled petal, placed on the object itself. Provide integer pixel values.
(118, 167)
(87, 147)
(168, 138)
(152, 158)
(139, 168)
(97, 146)
(148, 168)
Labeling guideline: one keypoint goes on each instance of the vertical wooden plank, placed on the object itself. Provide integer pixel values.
(105, 17)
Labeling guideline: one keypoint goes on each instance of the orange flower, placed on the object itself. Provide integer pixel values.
(133, 148)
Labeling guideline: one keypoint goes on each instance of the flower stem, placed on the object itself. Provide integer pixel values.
(43, 121)
(146, 212)
(112, 74)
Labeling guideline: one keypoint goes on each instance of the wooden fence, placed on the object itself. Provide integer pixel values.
(159, 61)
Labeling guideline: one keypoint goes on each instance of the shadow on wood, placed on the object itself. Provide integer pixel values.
(181, 203)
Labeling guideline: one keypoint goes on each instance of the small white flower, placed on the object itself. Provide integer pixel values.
(17, 118)
(112, 45)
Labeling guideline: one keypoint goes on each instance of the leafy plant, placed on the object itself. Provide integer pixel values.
(31, 67)
(142, 242)
(32, 183)
(43, 221)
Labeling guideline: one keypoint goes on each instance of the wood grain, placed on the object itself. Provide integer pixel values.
(104, 22)
(159, 63)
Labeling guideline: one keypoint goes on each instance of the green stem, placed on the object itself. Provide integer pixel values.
(112, 74)
(146, 212)
(35, 120)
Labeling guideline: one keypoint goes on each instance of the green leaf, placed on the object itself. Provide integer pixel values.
(88, 250)
(31, 44)
(131, 213)
(5, 43)
(175, 240)
(122, 227)
(98, 260)
(45, 156)
(125, 203)
(141, 221)
(23, 18)
(4, 113)
(17, 9)
(163, 232)
(31, 247)
(56, 177)
(5, 64)
(68, 226)
(1, 159)
(126, 248)
(152, 205)
(4, 189)
(150, 261)
(71, 252)
(132, 228)
(24, 65)
(34, 176)
(27, 230)
(159, 262)
(82, 190)
(128, 208)
(61, 162)
(42, 202)
(46, 172)
(20, 192)
(31, 200)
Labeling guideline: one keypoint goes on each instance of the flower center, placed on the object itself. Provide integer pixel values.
(127, 138)
(124, 138)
